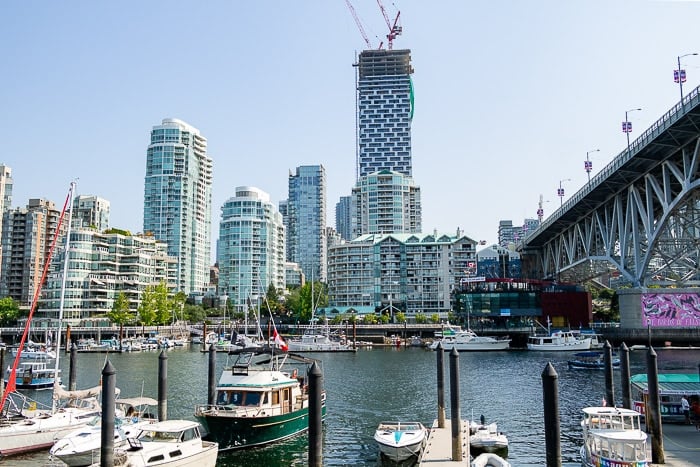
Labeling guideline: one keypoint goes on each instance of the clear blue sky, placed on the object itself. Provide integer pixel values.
(510, 95)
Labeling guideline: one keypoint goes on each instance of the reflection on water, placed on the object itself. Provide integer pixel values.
(398, 384)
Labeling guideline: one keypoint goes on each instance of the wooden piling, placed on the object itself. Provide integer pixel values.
(609, 386)
(653, 409)
(73, 369)
(552, 429)
(625, 376)
(440, 385)
(162, 386)
(455, 419)
(315, 377)
(109, 385)
(211, 390)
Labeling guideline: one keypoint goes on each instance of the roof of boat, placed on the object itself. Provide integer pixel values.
(171, 425)
(255, 379)
(620, 435)
(137, 401)
(670, 383)
(609, 411)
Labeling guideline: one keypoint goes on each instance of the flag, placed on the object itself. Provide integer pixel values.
(278, 340)
(605, 403)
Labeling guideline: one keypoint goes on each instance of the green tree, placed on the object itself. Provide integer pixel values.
(177, 303)
(400, 317)
(163, 305)
(370, 319)
(120, 313)
(435, 318)
(272, 299)
(421, 318)
(194, 313)
(9, 311)
(147, 308)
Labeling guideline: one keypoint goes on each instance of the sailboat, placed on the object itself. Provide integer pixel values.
(23, 427)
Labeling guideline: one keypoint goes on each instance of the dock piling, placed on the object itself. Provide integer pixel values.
(609, 385)
(73, 370)
(653, 410)
(211, 390)
(440, 385)
(455, 419)
(315, 377)
(68, 343)
(109, 385)
(552, 429)
(162, 386)
(625, 376)
(2, 365)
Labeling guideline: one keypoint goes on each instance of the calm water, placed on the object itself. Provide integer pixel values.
(383, 384)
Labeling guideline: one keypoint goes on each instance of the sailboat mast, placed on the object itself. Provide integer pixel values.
(64, 276)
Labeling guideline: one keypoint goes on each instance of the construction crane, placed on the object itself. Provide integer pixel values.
(394, 29)
(359, 24)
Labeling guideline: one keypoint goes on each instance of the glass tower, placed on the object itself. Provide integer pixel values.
(384, 111)
(177, 199)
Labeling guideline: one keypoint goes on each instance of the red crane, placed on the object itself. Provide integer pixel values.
(394, 29)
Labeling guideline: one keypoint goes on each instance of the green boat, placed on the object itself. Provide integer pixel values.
(257, 401)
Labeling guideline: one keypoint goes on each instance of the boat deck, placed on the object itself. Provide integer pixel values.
(438, 449)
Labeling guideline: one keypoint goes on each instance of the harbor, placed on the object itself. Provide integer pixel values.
(370, 386)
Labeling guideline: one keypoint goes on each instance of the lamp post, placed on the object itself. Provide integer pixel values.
(627, 128)
(588, 165)
(679, 74)
(560, 191)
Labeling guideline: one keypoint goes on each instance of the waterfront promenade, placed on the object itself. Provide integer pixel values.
(681, 446)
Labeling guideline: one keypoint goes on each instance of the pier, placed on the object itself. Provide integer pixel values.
(438, 449)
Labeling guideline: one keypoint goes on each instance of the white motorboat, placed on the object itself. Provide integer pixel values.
(467, 340)
(559, 341)
(485, 438)
(399, 441)
(170, 443)
(82, 446)
(489, 459)
(317, 338)
(34, 375)
(34, 352)
(613, 436)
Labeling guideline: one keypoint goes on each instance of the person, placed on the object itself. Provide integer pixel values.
(685, 407)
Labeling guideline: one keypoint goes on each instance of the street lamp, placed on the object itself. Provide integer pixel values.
(679, 74)
(627, 127)
(588, 165)
(560, 191)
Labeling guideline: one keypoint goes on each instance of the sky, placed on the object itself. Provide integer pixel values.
(510, 95)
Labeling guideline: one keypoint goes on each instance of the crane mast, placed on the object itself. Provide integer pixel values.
(394, 29)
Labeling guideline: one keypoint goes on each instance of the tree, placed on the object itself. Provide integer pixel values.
(435, 318)
(120, 313)
(177, 302)
(272, 299)
(400, 317)
(9, 311)
(163, 305)
(147, 308)
(421, 318)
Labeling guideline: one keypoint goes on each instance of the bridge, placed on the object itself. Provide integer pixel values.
(639, 216)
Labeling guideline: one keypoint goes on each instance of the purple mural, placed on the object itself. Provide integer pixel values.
(671, 309)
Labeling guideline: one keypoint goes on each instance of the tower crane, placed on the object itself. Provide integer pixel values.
(359, 24)
(394, 30)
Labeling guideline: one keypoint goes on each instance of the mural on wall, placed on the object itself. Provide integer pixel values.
(670, 309)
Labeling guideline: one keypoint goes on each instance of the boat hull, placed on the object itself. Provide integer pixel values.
(400, 453)
(595, 461)
(34, 435)
(476, 347)
(233, 432)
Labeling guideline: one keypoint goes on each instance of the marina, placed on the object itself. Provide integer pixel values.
(360, 395)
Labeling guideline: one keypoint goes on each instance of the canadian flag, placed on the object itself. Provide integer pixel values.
(278, 340)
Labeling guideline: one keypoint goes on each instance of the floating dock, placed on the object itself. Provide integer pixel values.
(438, 449)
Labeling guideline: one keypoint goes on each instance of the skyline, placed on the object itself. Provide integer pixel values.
(504, 93)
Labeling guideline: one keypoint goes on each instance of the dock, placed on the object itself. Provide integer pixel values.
(438, 449)
(681, 445)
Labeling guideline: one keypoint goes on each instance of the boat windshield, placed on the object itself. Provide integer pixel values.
(240, 398)
(160, 436)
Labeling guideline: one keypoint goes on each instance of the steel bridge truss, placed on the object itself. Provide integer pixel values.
(649, 232)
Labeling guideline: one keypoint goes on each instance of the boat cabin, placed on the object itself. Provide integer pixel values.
(672, 386)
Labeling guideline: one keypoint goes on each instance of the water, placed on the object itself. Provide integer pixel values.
(370, 386)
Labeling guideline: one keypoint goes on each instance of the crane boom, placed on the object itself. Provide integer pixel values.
(359, 24)
(394, 29)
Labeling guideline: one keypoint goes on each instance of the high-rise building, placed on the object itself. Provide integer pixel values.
(103, 265)
(26, 238)
(384, 111)
(91, 212)
(386, 202)
(5, 200)
(306, 221)
(343, 219)
(251, 247)
(177, 199)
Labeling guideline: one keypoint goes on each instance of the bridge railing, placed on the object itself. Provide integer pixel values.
(674, 114)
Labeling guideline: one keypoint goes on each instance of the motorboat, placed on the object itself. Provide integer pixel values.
(36, 352)
(489, 459)
(34, 374)
(399, 441)
(82, 446)
(485, 438)
(613, 436)
(559, 341)
(168, 443)
(468, 340)
(317, 338)
(591, 360)
(258, 400)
